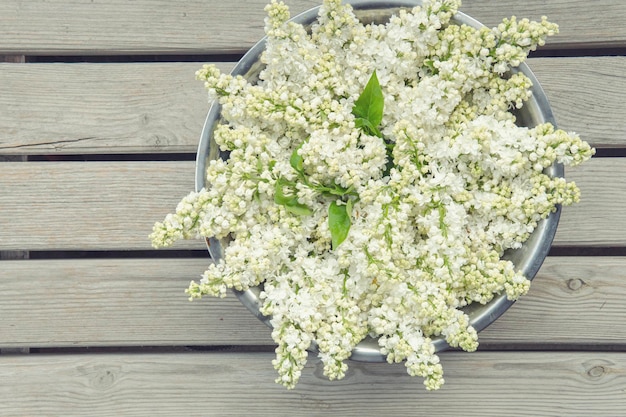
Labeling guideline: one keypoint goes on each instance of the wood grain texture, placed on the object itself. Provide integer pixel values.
(598, 219)
(139, 108)
(573, 303)
(117, 302)
(559, 351)
(101, 108)
(113, 205)
(139, 27)
(40, 27)
(589, 100)
(481, 384)
(582, 24)
(89, 205)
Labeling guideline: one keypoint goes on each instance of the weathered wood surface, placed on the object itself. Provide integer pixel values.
(113, 205)
(40, 27)
(596, 220)
(117, 302)
(560, 350)
(481, 384)
(573, 302)
(160, 107)
(101, 108)
(89, 205)
(586, 95)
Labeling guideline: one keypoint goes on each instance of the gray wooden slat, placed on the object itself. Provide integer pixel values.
(89, 205)
(589, 100)
(55, 206)
(17, 59)
(159, 26)
(573, 302)
(139, 108)
(598, 219)
(77, 27)
(582, 24)
(101, 108)
(480, 384)
(116, 302)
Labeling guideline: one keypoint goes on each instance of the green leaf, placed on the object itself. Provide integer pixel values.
(369, 105)
(349, 204)
(430, 64)
(290, 202)
(367, 127)
(296, 160)
(339, 223)
(335, 190)
(279, 194)
(298, 209)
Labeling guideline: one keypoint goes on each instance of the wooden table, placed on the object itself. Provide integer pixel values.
(100, 117)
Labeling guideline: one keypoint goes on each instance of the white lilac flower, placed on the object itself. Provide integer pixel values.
(385, 229)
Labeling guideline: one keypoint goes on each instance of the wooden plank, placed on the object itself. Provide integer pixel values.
(481, 384)
(17, 59)
(133, 195)
(589, 100)
(89, 205)
(599, 219)
(152, 108)
(106, 108)
(580, 24)
(573, 302)
(138, 27)
(117, 302)
(40, 27)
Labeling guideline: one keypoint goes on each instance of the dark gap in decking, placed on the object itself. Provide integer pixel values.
(187, 156)
(13, 158)
(118, 254)
(555, 347)
(227, 57)
(587, 251)
(548, 52)
(556, 251)
(113, 157)
(545, 52)
(153, 349)
(610, 153)
(234, 348)
(269, 348)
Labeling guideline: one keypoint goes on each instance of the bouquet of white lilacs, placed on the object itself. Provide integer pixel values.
(375, 176)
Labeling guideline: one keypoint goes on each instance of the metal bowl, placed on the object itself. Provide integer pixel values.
(536, 110)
